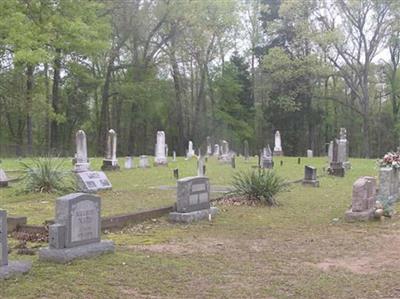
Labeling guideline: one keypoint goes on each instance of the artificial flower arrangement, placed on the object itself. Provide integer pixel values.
(391, 159)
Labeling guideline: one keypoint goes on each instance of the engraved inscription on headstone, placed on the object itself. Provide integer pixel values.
(92, 181)
(84, 221)
(193, 194)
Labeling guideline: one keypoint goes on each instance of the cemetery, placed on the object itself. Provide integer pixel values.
(199, 149)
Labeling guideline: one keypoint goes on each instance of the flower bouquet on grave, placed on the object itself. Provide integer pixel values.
(391, 159)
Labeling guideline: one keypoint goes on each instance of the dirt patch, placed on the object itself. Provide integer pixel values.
(384, 255)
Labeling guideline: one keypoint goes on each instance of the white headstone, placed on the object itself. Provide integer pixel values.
(174, 156)
(161, 158)
(278, 144)
(144, 162)
(309, 153)
(82, 162)
(190, 151)
(128, 162)
(216, 150)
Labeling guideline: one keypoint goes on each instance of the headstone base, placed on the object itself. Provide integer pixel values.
(313, 183)
(367, 215)
(267, 164)
(336, 169)
(66, 255)
(3, 184)
(278, 153)
(109, 165)
(14, 268)
(192, 216)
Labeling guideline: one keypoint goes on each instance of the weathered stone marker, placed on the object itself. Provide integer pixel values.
(233, 162)
(77, 229)
(193, 200)
(216, 150)
(128, 162)
(343, 149)
(144, 162)
(363, 200)
(87, 181)
(9, 268)
(161, 150)
(110, 161)
(266, 158)
(310, 176)
(3, 179)
(246, 150)
(209, 146)
(278, 145)
(299, 160)
(336, 167)
(389, 179)
(190, 151)
(309, 153)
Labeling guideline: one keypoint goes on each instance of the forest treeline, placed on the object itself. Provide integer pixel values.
(229, 69)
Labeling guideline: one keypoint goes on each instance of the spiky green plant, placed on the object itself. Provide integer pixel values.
(261, 185)
(45, 174)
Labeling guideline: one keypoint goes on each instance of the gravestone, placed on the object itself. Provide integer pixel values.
(278, 144)
(389, 183)
(110, 161)
(266, 160)
(128, 162)
(299, 160)
(144, 162)
(3, 178)
(209, 146)
(160, 152)
(246, 150)
(76, 232)
(86, 180)
(193, 200)
(174, 156)
(310, 176)
(226, 154)
(363, 200)
(216, 150)
(190, 151)
(9, 268)
(330, 152)
(336, 167)
(82, 162)
(309, 153)
(200, 166)
(343, 152)
(233, 162)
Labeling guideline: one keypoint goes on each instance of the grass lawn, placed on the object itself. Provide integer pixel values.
(301, 249)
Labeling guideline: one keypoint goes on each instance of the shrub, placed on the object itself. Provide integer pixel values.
(258, 185)
(46, 175)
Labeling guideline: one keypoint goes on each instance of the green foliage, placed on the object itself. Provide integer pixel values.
(46, 175)
(258, 185)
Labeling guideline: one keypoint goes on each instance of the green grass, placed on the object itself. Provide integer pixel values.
(245, 252)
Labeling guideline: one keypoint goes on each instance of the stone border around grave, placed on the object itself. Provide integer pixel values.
(190, 217)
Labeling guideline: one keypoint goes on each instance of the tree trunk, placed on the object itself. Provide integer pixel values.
(55, 100)
(29, 91)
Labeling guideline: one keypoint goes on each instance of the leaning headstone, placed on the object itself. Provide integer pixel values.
(246, 150)
(144, 162)
(87, 181)
(9, 268)
(266, 158)
(160, 154)
(193, 200)
(309, 153)
(3, 178)
(128, 162)
(363, 200)
(336, 167)
(278, 144)
(310, 176)
(110, 161)
(77, 230)
(190, 151)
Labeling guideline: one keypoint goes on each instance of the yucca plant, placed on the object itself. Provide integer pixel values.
(45, 174)
(258, 185)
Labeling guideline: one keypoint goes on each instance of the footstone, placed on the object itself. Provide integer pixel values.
(65, 255)
(192, 216)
